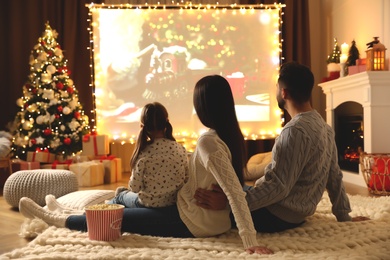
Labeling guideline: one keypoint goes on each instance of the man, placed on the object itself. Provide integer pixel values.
(304, 163)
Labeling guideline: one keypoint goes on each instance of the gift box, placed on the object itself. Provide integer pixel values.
(359, 67)
(58, 165)
(18, 165)
(95, 145)
(112, 168)
(88, 173)
(124, 151)
(41, 156)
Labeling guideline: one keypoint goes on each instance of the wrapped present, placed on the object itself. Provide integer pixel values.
(88, 173)
(78, 158)
(124, 151)
(112, 168)
(95, 145)
(58, 165)
(18, 165)
(43, 156)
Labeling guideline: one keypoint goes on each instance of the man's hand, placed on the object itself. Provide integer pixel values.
(360, 218)
(259, 250)
(213, 199)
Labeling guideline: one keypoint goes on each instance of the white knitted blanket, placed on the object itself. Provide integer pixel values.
(322, 237)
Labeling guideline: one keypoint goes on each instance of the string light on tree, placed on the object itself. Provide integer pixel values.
(51, 116)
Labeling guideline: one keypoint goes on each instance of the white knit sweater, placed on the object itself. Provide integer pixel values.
(211, 164)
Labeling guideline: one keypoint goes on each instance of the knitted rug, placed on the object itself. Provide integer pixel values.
(322, 237)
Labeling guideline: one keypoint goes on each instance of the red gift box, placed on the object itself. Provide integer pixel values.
(18, 165)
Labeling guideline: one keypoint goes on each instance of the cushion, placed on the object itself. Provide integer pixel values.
(80, 199)
(256, 165)
(36, 184)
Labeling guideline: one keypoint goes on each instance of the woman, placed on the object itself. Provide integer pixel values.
(219, 158)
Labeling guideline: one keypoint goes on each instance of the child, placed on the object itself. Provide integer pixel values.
(159, 164)
(219, 158)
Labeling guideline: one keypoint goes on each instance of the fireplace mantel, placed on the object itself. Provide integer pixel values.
(371, 89)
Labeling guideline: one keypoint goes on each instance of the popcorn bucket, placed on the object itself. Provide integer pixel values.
(104, 221)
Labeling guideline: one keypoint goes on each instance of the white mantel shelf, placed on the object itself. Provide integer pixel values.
(371, 89)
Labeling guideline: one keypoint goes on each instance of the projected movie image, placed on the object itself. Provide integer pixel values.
(146, 55)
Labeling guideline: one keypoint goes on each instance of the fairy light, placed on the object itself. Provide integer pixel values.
(97, 75)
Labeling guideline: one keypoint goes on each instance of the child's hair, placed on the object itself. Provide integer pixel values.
(154, 117)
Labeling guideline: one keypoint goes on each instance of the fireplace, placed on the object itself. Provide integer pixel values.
(369, 90)
(348, 127)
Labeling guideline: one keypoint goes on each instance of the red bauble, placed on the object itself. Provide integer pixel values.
(57, 116)
(34, 91)
(33, 141)
(47, 131)
(59, 109)
(70, 90)
(67, 141)
(60, 85)
(76, 115)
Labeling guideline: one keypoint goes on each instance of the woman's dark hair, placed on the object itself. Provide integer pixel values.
(214, 105)
(298, 80)
(154, 117)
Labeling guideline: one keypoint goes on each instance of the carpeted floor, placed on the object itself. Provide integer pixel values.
(320, 238)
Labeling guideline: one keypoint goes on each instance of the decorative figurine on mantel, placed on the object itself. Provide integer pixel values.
(375, 56)
(333, 61)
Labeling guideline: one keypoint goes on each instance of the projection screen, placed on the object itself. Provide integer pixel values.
(142, 55)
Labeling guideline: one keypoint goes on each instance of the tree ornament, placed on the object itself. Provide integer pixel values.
(19, 102)
(67, 141)
(60, 85)
(76, 115)
(47, 131)
(70, 90)
(33, 141)
(66, 110)
(59, 109)
(51, 69)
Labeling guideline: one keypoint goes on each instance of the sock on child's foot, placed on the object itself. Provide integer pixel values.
(30, 209)
(53, 205)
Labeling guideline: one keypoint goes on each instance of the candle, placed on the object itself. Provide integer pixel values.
(343, 58)
(344, 48)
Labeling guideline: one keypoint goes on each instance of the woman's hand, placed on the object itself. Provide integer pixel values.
(360, 218)
(259, 250)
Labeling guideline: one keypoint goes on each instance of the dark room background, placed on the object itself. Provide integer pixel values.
(23, 22)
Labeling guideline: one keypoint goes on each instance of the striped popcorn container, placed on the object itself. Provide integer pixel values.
(104, 221)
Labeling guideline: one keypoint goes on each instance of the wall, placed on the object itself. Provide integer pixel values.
(346, 20)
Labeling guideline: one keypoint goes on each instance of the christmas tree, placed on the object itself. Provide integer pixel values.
(353, 54)
(335, 56)
(51, 117)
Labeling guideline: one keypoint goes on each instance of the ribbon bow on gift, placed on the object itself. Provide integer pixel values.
(56, 162)
(86, 137)
(105, 157)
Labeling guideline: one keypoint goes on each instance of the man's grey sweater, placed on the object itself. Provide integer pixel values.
(304, 165)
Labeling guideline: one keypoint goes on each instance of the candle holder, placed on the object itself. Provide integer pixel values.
(376, 56)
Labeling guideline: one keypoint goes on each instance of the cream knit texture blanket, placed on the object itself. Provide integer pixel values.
(322, 237)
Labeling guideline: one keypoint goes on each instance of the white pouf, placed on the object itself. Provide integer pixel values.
(36, 184)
